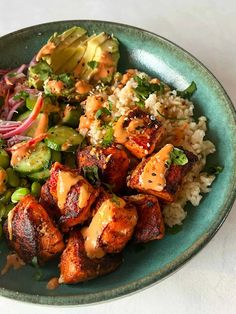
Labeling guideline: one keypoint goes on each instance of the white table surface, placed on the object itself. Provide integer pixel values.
(207, 29)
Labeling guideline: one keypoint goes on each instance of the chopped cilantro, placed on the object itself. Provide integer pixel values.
(93, 64)
(189, 91)
(140, 104)
(110, 105)
(145, 88)
(215, 170)
(66, 79)
(108, 138)
(178, 157)
(21, 95)
(91, 174)
(102, 111)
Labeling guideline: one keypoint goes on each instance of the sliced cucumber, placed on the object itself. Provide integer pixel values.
(72, 115)
(63, 138)
(37, 160)
(42, 175)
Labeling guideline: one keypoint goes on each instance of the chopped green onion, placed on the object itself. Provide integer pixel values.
(108, 138)
(189, 91)
(178, 157)
(102, 111)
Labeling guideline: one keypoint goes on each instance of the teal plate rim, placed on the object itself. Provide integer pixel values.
(169, 269)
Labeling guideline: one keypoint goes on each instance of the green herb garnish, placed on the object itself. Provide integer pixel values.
(108, 137)
(21, 95)
(102, 111)
(93, 64)
(145, 88)
(189, 91)
(178, 157)
(140, 104)
(66, 79)
(215, 170)
(91, 174)
(110, 105)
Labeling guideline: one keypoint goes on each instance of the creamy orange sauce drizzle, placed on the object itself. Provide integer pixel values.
(42, 125)
(84, 195)
(9, 222)
(13, 261)
(91, 234)
(53, 283)
(93, 103)
(120, 134)
(82, 87)
(18, 153)
(3, 177)
(65, 181)
(153, 175)
(106, 66)
(45, 50)
(134, 124)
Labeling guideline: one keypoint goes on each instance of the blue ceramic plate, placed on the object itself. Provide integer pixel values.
(158, 57)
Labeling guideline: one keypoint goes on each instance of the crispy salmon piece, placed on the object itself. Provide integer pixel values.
(173, 177)
(139, 132)
(31, 232)
(76, 266)
(112, 163)
(150, 225)
(73, 198)
(111, 227)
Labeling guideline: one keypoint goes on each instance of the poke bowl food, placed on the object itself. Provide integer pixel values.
(93, 159)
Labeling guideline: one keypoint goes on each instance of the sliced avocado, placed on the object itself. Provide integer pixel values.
(104, 64)
(92, 43)
(72, 115)
(67, 47)
(38, 73)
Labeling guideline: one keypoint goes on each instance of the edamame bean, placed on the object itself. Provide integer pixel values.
(12, 178)
(4, 159)
(6, 197)
(2, 211)
(19, 194)
(36, 189)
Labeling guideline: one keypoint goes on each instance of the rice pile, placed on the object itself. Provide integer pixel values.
(181, 130)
